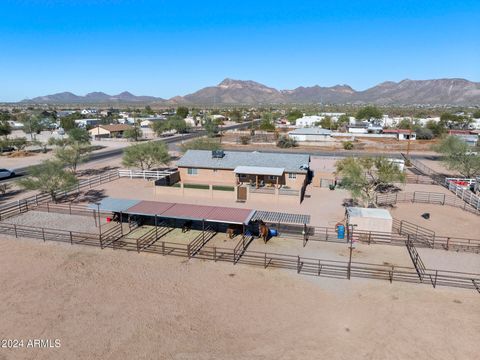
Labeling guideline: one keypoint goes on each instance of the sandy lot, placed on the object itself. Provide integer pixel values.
(444, 220)
(120, 305)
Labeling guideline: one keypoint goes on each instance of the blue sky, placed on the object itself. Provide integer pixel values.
(168, 48)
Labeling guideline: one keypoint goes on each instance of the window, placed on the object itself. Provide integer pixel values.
(215, 170)
(192, 171)
(272, 177)
(292, 175)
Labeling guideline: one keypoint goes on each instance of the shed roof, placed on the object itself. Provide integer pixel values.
(369, 213)
(259, 170)
(297, 163)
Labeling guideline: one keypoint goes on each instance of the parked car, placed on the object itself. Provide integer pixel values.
(6, 173)
(6, 149)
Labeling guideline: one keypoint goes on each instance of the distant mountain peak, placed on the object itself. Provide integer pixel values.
(453, 91)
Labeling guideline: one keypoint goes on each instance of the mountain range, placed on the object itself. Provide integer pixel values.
(247, 92)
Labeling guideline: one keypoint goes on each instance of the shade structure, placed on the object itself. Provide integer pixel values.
(113, 204)
(282, 218)
(259, 170)
(218, 214)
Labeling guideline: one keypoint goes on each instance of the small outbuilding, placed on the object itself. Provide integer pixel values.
(369, 219)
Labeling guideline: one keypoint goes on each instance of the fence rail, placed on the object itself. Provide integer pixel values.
(426, 198)
(302, 265)
(145, 174)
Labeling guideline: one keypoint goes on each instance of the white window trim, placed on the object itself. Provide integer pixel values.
(192, 171)
(292, 176)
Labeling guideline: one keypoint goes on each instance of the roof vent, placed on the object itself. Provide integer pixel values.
(218, 154)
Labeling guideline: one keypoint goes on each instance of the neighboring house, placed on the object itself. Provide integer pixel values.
(88, 111)
(402, 134)
(108, 131)
(308, 121)
(471, 140)
(311, 134)
(272, 172)
(83, 123)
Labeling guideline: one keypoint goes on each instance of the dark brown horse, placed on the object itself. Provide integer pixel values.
(187, 226)
(263, 231)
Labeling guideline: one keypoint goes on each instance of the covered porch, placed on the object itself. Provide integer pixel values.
(260, 176)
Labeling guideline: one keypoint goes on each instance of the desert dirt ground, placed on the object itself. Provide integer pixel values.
(444, 220)
(114, 304)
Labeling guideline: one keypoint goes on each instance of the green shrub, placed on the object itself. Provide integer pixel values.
(286, 142)
(348, 145)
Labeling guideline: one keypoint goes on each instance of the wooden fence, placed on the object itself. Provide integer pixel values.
(302, 265)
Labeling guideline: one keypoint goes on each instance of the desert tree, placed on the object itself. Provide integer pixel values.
(365, 177)
(201, 144)
(458, 156)
(49, 177)
(146, 155)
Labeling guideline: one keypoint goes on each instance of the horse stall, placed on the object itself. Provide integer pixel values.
(174, 228)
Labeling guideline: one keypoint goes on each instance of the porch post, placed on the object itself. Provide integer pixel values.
(156, 228)
(256, 180)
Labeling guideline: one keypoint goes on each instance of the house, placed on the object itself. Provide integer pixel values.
(83, 123)
(88, 111)
(308, 121)
(311, 134)
(108, 131)
(402, 134)
(247, 172)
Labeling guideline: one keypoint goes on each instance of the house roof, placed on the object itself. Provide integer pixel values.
(115, 127)
(259, 170)
(310, 131)
(296, 163)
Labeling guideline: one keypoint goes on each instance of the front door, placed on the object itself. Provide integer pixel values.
(241, 193)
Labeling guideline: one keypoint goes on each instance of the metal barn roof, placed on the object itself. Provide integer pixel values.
(283, 218)
(177, 211)
(114, 205)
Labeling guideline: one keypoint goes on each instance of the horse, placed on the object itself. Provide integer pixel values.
(187, 225)
(233, 230)
(263, 231)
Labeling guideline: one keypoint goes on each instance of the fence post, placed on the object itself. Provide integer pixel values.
(70, 208)
(298, 264)
(163, 247)
(413, 200)
(43, 234)
(265, 261)
(48, 207)
(215, 254)
(188, 251)
(443, 203)
(369, 237)
(15, 229)
(435, 281)
(71, 238)
(36, 199)
(391, 274)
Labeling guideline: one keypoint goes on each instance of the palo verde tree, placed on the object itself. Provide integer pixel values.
(201, 144)
(49, 177)
(365, 177)
(458, 156)
(182, 112)
(73, 154)
(146, 155)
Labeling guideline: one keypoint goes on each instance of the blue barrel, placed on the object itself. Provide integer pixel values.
(273, 232)
(340, 231)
